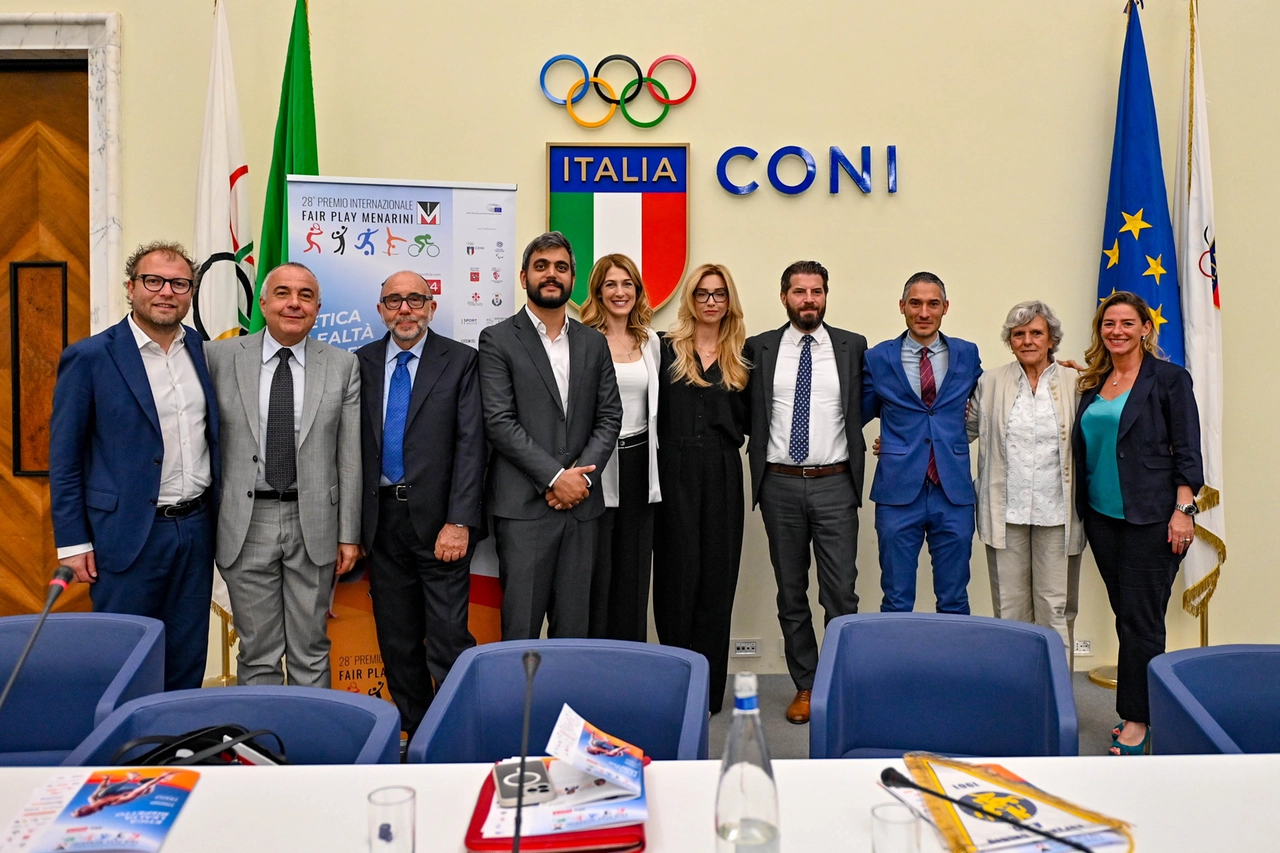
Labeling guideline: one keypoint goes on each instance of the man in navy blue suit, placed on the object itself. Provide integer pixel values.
(133, 462)
(919, 384)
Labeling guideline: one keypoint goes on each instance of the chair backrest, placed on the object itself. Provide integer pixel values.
(318, 726)
(652, 696)
(81, 668)
(1218, 699)
(889, 683)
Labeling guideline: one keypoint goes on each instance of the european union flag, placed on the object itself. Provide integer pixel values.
(1138, 254)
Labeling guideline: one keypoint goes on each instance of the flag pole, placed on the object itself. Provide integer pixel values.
(1204, 624)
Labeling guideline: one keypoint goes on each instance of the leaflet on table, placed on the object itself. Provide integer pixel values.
(582, 745)
(102, 811)
(993, 788)
(582, 801)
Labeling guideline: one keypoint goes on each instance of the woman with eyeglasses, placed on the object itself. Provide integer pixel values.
(702, 416)
(618, 306)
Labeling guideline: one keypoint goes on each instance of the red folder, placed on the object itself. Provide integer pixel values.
(612, 839)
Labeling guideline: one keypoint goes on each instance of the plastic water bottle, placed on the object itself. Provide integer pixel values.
(747, 801)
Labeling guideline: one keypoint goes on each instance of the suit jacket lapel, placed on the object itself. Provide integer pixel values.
(955, 360)
(249, 379)
(124, 351)
(528, 337)
(432, 364)
(313, 383)
(1142, 387)
(769, 346)
(895, 361)
(841, 348)
(373, 380)
(577, 361)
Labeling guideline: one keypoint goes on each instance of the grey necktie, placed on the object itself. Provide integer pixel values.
(282, 453)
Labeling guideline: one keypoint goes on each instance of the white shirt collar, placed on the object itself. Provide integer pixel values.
(542, 327)
(915, 346)
(393, 348)
(270, 346)
(142, 338)
(795, 337)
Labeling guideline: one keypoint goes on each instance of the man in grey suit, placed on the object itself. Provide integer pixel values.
(552, 415)
(289, 520)
(807, 455)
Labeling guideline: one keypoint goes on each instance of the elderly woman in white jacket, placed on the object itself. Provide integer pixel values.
(1022, 415)
(618, 306)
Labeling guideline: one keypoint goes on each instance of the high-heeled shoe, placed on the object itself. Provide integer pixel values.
(1115, 732)
(1143, 748)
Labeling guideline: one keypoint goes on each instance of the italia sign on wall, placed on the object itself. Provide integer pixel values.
(627, 199)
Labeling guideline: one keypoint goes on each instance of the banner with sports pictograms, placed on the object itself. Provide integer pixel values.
(353, 233)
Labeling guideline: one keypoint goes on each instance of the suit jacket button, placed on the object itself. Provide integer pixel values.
(1121, 454)
(159, 460)
(927, 441)
(153, 501)
(250, 494)
(255, 458)
(931, 413)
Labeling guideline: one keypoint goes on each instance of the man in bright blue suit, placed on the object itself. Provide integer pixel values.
(133, 462)
(919, 384)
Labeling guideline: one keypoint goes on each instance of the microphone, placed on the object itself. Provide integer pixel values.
(531, 660)
(58, 585)
(891, 778)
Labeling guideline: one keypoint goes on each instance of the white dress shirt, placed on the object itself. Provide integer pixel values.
(558, 354)
(270, 361)
(393, 355)
(939, 360)
(185, 473)
(1033, 482)
(828, 443)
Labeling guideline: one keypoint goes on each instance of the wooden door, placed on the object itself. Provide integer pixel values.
(44, 303)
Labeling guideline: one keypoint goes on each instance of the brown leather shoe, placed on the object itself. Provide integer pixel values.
(798, 710)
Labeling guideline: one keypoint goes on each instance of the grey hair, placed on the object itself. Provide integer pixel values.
(1023, 313)
(545, 242)
(924, 278)
(262, 294)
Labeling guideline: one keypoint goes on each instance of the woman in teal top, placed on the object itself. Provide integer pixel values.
(1138, 469)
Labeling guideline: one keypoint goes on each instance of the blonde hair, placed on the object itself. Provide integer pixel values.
(593, 312)
(1098, 358)
(733, 334)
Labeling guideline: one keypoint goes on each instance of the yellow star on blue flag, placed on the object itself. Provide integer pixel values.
(1137, 203)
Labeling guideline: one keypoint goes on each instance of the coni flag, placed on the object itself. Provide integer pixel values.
(624, 199)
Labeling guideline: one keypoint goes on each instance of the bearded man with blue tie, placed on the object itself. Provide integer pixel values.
(423, 448)
(919, 385)
(806, 454)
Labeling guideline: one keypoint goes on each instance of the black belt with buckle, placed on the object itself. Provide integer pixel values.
(287, 496)
(399, 492)
(809, 472)
(178, 510)
(634, 440)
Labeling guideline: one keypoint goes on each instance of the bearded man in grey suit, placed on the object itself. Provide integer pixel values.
(552, 415)
(289, 520)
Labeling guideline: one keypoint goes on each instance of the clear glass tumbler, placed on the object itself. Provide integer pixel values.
(393, 815)
(894, 829)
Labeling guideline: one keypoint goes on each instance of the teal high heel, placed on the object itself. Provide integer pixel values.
(1143, 748)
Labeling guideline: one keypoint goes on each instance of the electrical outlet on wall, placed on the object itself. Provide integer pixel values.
(746, 648)
(1084, 647)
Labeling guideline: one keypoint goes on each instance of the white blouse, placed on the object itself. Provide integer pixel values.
(1033, 487)
(633, 388)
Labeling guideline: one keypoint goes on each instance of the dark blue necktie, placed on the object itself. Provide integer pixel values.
(799, 447)
(393, 424)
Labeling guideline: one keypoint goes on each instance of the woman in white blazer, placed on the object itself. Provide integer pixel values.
(1022, 415)
(618, 306)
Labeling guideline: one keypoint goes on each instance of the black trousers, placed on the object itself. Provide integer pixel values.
(1138, 566)
(624, 554)
(697, 550)
(420, 608)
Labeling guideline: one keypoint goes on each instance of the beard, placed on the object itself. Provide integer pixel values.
(419, 327)
(804, 325)
(548, 302)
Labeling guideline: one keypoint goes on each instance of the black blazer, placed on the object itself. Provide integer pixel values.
(532, 436)
(762, 352)
(444, 447)
(1158, 447)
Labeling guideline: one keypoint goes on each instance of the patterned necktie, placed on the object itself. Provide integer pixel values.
(799, 447)
(929, 393)
(394, 423)
(282, 450)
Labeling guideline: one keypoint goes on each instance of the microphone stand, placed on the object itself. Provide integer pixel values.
(893, 779)
(61, 578)
(531, 660)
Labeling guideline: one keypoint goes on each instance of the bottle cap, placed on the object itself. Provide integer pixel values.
(744, 691)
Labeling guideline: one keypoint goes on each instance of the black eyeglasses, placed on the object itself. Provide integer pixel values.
(714, 295)
(393, 301)
(156, 283)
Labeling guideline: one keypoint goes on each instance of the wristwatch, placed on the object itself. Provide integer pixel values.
(1189, 509)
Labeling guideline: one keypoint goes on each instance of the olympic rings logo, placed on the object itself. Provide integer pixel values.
(630, 92)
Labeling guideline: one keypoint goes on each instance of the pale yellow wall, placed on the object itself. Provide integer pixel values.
(1002, 111)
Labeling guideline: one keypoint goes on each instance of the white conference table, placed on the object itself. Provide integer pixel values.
(1206, 804)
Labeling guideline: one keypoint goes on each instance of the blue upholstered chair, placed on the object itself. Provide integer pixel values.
(317, 726)
(890, 683)
(1220, 699)
(652, 696)
(81, 668)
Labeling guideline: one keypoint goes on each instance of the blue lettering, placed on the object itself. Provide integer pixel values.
(861, 178)
(722, 168)
(811, 169)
